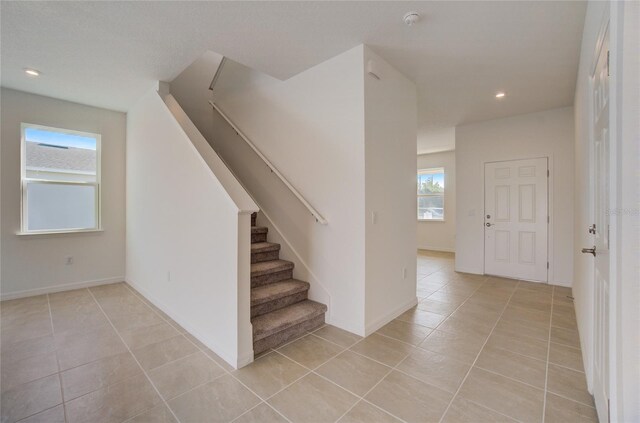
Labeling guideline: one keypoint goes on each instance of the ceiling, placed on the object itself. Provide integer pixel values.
(460, 54)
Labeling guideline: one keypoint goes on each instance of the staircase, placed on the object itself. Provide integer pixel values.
(280, 310)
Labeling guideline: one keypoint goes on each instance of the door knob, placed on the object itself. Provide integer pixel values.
(590, 250)
(487, 224)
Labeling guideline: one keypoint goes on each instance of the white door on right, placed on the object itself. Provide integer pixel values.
(516, 219)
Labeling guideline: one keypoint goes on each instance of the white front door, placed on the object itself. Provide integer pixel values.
(600, 229)
(516, 219)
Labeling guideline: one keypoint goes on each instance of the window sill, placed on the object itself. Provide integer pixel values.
(432, 220)
(75, 231)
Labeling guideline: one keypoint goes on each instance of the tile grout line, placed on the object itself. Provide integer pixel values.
(53, 333)
(455, 395)
(546, 371)
(137, 294)
(144, 372)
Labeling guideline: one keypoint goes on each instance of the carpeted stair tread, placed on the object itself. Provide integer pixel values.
(274, 291)
(284, 318)
(259, 230)
(263, 247)
(267, 267)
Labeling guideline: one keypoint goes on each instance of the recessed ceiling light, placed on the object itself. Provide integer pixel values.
(31, 72)
(411, 17)
(500, 95)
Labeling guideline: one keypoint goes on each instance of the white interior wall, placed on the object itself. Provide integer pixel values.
(35, 264)
(311, 127)
(187, 239)
(390, 187)
(544, 134)
(440, 235)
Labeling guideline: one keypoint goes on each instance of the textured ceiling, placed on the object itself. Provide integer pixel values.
(108, 53)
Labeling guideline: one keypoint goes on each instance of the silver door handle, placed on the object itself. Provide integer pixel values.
(590, 250)
(487, 224)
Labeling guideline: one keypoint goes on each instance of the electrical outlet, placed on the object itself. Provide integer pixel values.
(404, 273)
(374, 218)
(68, 260)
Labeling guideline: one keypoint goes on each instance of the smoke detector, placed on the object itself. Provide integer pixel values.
(410, 18)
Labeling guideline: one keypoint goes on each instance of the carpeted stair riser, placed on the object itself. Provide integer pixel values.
(265, 256)
(253, 218)
(258, 237)
(277, 304)
(288, 334)
(271, 277)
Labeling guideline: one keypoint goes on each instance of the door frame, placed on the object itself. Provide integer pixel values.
(549, 158)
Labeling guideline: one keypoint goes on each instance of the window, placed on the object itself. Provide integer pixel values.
(60, 180)
(431, 194)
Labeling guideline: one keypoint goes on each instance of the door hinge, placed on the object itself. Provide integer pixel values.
(547, 265)
(608, 73)
(548, 219)
(547, 173)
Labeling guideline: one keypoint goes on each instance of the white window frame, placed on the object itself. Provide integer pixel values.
(24, 181)
(432, 171)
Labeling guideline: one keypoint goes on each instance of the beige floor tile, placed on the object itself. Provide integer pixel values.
(261, 414)
(476, 313)
(20, 328)
(464, 411)
(569, 384)
(506, 396)
(140, 337)
(270, 373)
(177, 377)
(98, 374)
(409, 399)
(24, 305)
(566, 356)
(363, 412)
(565, 337)
(52, 415)
(518, 328)
(421, 317)
(221, 400)
(437, 307)
(564, 309)
(30, 368)
(75, 349)
(448, 297)
(405, 331)
(154, 355)
(28, 348)
(383, 349)
(462, 347)
(531, 317)
(114, 403)
(130, 320)
(353, 372)
(562, 410)
(516, 366)
(30, 398)
(564, 321)
(532, 347)
(158, 414)
(313, 399)
(215, 357)
(465, 327)
(310, 351)
(435, 369)
(337, 335)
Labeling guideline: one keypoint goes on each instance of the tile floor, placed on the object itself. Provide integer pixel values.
(475, 349)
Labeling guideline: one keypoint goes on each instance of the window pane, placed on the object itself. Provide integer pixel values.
(60, 207)
(60, 156)
(430, 183)
(431, 207)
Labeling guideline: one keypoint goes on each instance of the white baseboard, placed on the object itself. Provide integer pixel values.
(235, 362)
(383, 320)
(436, 248)
(59, 288)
